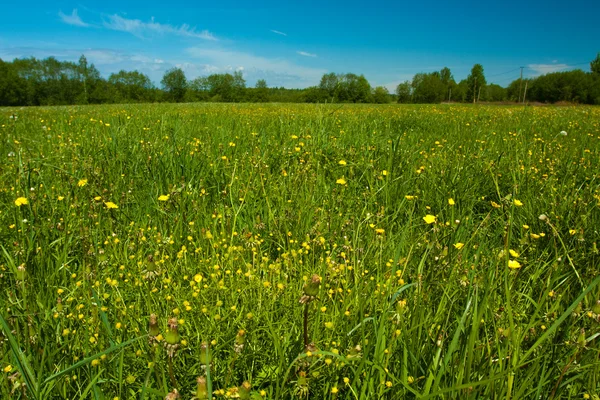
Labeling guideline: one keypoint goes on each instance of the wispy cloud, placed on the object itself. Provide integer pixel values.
(72, 19)
(278, 32)
(540, 69)
(305, 54)
(144, 29)
(276, 71)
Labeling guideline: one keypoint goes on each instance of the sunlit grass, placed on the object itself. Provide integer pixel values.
(456, 248)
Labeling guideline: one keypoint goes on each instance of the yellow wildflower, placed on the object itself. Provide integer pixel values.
(21, 201)
(429, 219)
(82, 182)
(110, 204)
(517, 203)
(459, 245)
(341, 181)
(514, 264)
(451, 201)
(163, 197)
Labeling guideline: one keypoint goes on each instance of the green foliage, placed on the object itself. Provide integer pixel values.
(174, 83)
(455, 248)
(381, 95)
(35, 82)
(595, 64)
(131, 87)
(494, 92)
(404, 92)
(428, 88)
(12, 86)
(475, 83)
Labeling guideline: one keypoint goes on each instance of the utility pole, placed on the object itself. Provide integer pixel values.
(520, 83)
(525, 93)
(474, 90)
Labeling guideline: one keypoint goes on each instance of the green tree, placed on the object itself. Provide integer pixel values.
(239, 86)
(261, 91)
(131, 86)
(381, 95)
(175, 84)
(428, 88)
(352, 88)
(404, 92)
(595, 64)
(476, 83)
(329, 83)
(494, 92)
(12, 86)
(83, 70)
(448, 81)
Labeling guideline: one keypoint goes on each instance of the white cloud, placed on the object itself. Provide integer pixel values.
(277, 71)
(540, 69)
(72, 19)
(143, 29)
(305, 54)
(279, 32)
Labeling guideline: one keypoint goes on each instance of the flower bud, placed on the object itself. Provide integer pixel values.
(172, 336)
(581, 338)
(596, 308)
(244, 390)
(311, 288)
(201, 390)
(174, 395)
(205, 354)
(21, 272)
(153, 330)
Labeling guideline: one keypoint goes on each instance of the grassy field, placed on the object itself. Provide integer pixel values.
(299, 251)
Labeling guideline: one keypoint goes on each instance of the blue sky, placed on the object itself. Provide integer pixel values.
(292, 44)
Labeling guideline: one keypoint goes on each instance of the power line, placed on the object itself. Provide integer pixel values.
(504, 73)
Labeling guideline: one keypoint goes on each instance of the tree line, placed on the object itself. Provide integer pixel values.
(34, 82)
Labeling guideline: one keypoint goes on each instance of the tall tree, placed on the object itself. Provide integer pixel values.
(448, 81)
(239, 86)
(261, 91)
(131, 86)
(595, 64)
(329, 83)
(175, 84)
(428, 88)
(381, 95)
(404, 92)
(83, 70)
(476, 82)
(12, 86)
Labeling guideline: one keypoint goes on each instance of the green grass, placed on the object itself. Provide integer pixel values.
(258, 201)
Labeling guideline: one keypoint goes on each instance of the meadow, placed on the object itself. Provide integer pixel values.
(299, 251)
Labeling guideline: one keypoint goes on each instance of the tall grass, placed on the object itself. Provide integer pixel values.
(219, 215)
